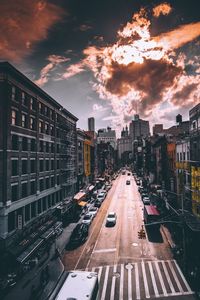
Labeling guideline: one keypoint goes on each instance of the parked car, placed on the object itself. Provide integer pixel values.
(129, 174)
(111, 219)
(79, 236)
(144, 195)
(128, 182)
(87, 219)
(97, 203)
(93, 211)
(138, 182)
(101, 196)
(146, 201)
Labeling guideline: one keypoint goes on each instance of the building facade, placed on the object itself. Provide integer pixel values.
(107, 136)
(37, 156)
(138, 128)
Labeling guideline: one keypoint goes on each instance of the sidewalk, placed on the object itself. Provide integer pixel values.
(23, 290)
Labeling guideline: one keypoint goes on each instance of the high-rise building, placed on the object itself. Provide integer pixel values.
(91, 124)
(138, 128)
(37, 158)
(106, 136)
(124, 146)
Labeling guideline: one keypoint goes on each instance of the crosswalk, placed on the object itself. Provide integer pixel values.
(141, 280)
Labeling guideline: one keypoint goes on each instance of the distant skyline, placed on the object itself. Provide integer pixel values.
(108, 59)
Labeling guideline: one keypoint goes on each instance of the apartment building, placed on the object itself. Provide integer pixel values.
(37, 156)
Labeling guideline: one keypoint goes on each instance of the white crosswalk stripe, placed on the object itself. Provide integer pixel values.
(141, 280)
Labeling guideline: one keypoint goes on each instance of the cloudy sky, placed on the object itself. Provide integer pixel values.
(106, 58)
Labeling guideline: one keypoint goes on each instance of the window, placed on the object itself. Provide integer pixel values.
(47, 147)
(24, 189)
(24, 144)
(40, 127)
(24, 121)
(15, 170)
(11, 221)
(47, 182)
(52, 181)
(27, 212)
(33, 165)
(33, 209)
(32, 123)
(44, 203)
(24, 166)
(58, 180)
(51, 130)
(39, 206)
(41, 146)
(46, 128)
(183, 156)
(58, 164)
(52, 148)
(32, 104)
(13, 93)
(40, 108)
(47, 165)
(57, 132)
(33, 187)
(15, 142)
(52, 164)
(41, 165)
(14, 192)
(57, 148)
(51, 114)
(14, 120)
(33, 145)
(180, 156)
(49, 201)
(41, 184)
(24, 99)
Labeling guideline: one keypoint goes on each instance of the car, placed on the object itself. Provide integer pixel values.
(87, 219)
(101, 196)
(111, 219)
(146, 201)
(144, 195)
(93, 211)
(138, 182)
(78, 236)
(129, 174)
(97, 203)
(128, 182)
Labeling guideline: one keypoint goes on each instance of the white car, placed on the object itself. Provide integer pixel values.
(146, 201)
(101, 196)
(111, 219)
(87, 219)
(93, 211)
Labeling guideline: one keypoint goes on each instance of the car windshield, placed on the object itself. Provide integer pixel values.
(111, 215)
(87, 217)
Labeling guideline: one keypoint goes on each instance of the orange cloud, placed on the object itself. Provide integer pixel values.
(162, 9)
(24, 23)
(178, 37)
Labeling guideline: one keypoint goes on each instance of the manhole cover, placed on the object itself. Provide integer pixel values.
(129, 266)
(135, 244)
(116, 274)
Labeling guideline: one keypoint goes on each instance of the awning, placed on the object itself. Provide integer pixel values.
(91, 188)
(79, 196)
(82, 203)
(29, 250)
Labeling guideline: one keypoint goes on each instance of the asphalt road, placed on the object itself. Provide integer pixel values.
(128, 267)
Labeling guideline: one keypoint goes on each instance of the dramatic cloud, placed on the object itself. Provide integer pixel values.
(54, 60)
(162, 9)
(73, 70)
(24, 23)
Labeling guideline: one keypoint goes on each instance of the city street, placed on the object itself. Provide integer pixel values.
(128, 267)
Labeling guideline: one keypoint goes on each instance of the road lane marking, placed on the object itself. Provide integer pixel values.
(137, 282)
(129, 285)
(153, 279)
(175, 277)
(183, 277)
(145, 280)
(105, 250)
(103, 295)
(99, 273)
(168, 278)
(160, 278)
(112, 293)
(121, 282)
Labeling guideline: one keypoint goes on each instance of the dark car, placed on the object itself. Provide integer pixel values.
(78, 237)
(97, 203)
(128, 182)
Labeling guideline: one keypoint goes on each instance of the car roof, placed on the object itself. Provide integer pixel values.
(111, 213)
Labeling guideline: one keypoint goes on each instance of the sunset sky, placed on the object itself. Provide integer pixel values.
(108, 58)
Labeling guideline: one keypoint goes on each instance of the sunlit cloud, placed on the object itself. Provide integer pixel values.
(23, 24)
(54, 60)
(162, 9)
(139, 72)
